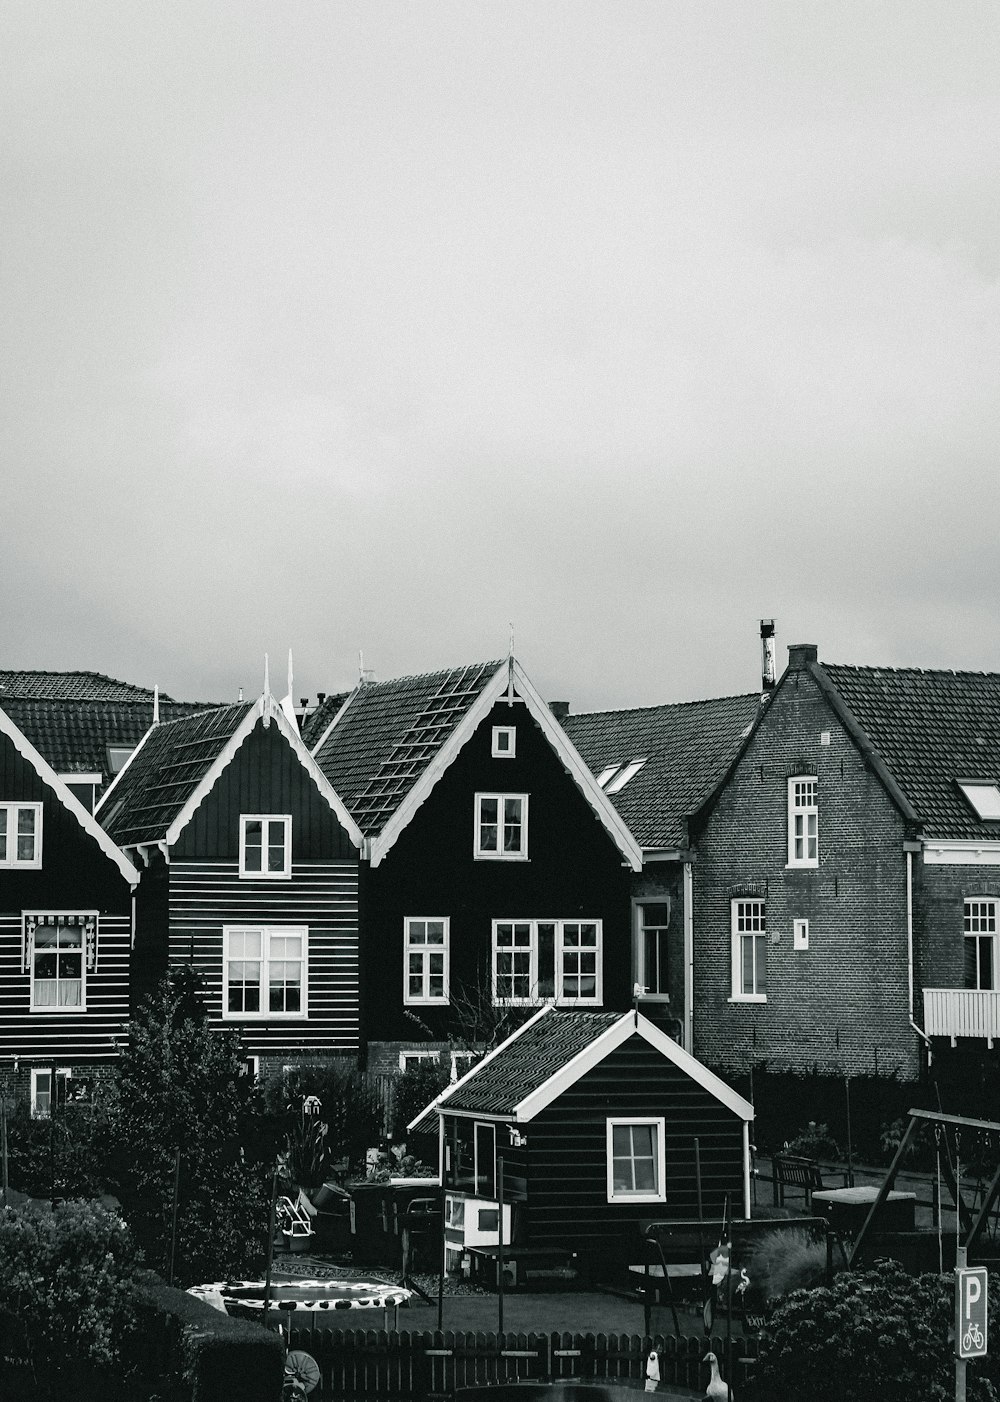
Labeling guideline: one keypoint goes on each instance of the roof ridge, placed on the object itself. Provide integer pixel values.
(665, 705)
(427, 676)
(910, 671)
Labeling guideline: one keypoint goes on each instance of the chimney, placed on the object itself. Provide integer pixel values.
(800, 655)
(367, 676)
(560, 709)
(320, 697)
(767, 667)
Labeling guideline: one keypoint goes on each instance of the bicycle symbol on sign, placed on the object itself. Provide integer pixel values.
(972, 1339)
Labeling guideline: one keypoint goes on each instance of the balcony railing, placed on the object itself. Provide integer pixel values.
(962, 1012)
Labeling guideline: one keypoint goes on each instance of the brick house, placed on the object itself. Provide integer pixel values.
(498, 869)
(658, 764)
(846, 902)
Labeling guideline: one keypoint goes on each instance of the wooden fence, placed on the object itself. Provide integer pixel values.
(358, 1363)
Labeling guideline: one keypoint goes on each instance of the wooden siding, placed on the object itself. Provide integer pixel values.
(265, 776)
(567, 1153)
(206, 895)
(574, 871)
(67, 1037)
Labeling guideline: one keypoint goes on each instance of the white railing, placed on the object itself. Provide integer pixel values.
(962, 1012)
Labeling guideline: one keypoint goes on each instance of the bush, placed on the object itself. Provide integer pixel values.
(65, 1155)
(66, 1290)
(350, 1107)
(814, 1142)
(871, 1334)
(782, 1261)
(414, 1090)
(192, 1347)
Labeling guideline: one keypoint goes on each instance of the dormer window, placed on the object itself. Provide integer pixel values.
(504, 741)
(984, 797)
(803, 821)
(266, 846)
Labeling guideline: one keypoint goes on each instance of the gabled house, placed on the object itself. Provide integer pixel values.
(846, 912)
(657, 764)
(499, 869)
(249, 874)
(583, 1125)
(66, 931)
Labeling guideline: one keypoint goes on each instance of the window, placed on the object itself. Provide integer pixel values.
(981, 943)
(803, 822)
(20, 835)
(59, 948)
(636, 1161)
(118, 757)
(250, 1066)
(409, 1059)
(486, 1161)
(749, 951)
(265, 846)
(651, 962)
(800, 934)
(984, 797)
(502, 826)
(627, 772)
(425, 961)
(538, 959)
(41, 1089)
(504, 741)
(265, 971)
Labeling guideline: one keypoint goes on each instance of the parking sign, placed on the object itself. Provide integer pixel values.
(970, 1311)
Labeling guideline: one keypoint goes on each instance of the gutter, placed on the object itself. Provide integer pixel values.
(689, 958)
(909, 951)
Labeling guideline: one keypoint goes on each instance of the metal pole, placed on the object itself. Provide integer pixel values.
(442, 1263)
(173, 1215)
(961, 1259)
(850, 1158)
(4, 1180)
(52, 1138)
(270, 1245)
(500, 1244)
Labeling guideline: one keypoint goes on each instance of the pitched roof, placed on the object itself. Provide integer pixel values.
(318, 720)
(932, 729)
(686, 746)
(74, 735)
(550, 1052)
(77, 686)
(153, 788)
(389, 733)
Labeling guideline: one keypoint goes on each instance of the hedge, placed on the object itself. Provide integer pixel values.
(206, 1355)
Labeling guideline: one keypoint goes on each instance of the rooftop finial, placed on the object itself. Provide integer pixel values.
(267, 675)
(510, 643)
(156, 704)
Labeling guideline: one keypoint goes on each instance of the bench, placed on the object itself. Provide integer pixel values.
(790, 1171)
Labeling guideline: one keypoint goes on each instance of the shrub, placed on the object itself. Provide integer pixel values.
(196, 1349)
(783, 1261)
(65, 1155)
(814, 1142)
(350, 1107)
(66, 1289)
(871, 1334)
(414, 1090)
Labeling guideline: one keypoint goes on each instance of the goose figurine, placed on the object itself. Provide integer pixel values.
(717, 1390)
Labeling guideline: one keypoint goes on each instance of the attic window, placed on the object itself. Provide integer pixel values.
(627, 772)
(606, 774)
(118, 757)
(984, 798)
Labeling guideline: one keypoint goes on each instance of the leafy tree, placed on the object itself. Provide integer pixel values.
(180, 1088)
(66, 1292)
(350, 1109)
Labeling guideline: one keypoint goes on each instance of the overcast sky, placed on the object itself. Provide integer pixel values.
(343, 326)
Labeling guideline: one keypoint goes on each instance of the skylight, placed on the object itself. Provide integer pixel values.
(629, 772)
(984, 797)
(606, 774)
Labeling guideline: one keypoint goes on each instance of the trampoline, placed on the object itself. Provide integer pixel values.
(310, 1297)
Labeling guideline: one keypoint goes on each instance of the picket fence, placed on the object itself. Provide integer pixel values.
(377, 1363)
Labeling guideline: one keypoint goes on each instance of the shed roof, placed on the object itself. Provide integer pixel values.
(687, 747)
(932, 729)
(549, 1053)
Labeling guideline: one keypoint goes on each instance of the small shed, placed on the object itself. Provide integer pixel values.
(584, 1125)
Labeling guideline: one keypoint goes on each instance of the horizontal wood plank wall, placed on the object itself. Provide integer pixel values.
(205, 896)
(90, 1035)
(567, 1152)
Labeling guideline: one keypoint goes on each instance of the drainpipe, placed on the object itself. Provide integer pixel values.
(688, 959)
(909, 955)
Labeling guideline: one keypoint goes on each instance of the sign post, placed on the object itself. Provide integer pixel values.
(971, 1307)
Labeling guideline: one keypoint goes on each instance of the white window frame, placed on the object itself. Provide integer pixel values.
(800, 934)
(417, 1054)
(560, 949)
(660, 1149)
(37, 1072)
(267, 932)
(425, 950)
(983, 796)
(489, 854)
(466, 1058)
(987, 934)
(10, 862)
(61, 1009)
(627, 772)
(738, 936)
(639, 962)
(265, 818)
(500, 734)
(804, 810)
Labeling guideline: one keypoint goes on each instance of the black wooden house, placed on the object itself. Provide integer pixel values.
(584, 1125)
(250, 875)
(499, 870)
(66, 932)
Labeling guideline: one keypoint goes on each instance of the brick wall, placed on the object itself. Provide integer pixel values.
(840, 1005)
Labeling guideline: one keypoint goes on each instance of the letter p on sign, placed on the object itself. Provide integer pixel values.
(970, 1312)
